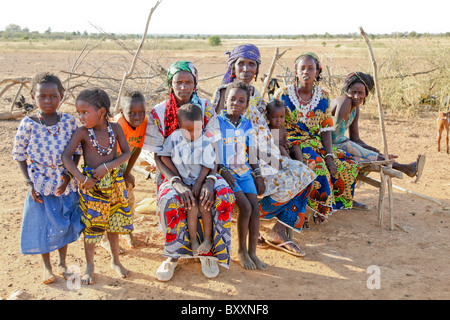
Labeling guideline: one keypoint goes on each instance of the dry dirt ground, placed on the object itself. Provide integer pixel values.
(347, 257)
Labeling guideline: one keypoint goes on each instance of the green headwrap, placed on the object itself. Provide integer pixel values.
(181, 66)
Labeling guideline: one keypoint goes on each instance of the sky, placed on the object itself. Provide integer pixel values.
(232, 17)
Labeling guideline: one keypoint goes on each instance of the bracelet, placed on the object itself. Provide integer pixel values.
(85, 180)
(329, 154)
(105, 166)
(29, 180)
(222, 169)
(212, 177)
(173, 178)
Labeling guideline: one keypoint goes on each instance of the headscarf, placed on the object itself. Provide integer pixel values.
(170, 114)
(311, 55)
(357, 76)
(248, 51)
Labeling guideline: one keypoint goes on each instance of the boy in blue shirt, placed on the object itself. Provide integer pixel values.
(237, 164)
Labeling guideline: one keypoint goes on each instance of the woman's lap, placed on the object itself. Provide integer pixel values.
(173, 220)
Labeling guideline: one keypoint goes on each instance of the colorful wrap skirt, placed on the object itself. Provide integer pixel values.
(173, 222)
(290, 213)
(50, 225)
(105, 207)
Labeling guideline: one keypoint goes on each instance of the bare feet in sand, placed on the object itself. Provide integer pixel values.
(121, 271)
(204, 248)
(245, 260)
(88, 277)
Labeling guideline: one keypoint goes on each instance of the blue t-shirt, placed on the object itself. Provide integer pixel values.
(233, 146)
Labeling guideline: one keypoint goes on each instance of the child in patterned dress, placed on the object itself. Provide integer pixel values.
(52, 216)
(103, 194)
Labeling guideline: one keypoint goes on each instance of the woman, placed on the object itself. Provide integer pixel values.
(309, 125)
(172, 194)
(286, 180)
(346, 109)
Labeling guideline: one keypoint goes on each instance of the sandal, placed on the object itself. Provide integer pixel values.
(166, 269)
(282, 246)
(210, 268)
(418, 167)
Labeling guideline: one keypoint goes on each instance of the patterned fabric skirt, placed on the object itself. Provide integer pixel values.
(173, 222)
(290, 213)
(105, 208)
(50, 225)
(330, 192)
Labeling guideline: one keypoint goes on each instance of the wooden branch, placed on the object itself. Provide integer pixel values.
(138, 51)
(384, 179)
(275, 58)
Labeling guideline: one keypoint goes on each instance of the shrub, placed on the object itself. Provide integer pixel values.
(214, 41)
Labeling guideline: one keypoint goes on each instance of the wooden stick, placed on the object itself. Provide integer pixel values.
(15, 98)
(384, 180)
(133, 63)
(275, 58)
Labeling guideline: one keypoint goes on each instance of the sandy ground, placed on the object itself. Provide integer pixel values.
(343, 255)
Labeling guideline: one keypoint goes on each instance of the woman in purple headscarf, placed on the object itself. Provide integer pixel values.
(287, 181)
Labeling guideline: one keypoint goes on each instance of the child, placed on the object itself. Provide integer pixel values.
(133, 120)
(237, 139)
(103, 195)
(52, 214)
(276, 113)
(190, 155)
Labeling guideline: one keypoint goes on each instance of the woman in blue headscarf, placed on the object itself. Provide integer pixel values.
(287, 181)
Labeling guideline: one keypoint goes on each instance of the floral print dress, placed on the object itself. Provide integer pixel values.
(304, 125)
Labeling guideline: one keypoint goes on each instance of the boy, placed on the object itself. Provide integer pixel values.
(189, 153)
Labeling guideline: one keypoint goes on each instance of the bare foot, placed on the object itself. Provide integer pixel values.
(259, 264)
(194, 246)
(245, 260)
(121, 271)
(205, 247)
(131, 240)
(88, 277)
(48, 276)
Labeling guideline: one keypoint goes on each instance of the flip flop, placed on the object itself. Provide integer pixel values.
(210, 268)
(360, 206)
(418, 167)
(281, 246)
(262, 243)
(165, 270)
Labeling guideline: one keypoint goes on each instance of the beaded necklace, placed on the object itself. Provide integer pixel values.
(102, 150)
(41, 121)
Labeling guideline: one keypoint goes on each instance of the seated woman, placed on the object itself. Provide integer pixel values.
(287, 181)
(346, 110)
(173, 196)
(309, 125)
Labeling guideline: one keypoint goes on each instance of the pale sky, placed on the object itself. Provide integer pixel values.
(230, 16)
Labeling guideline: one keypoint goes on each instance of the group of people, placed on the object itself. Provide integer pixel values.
(270, 160)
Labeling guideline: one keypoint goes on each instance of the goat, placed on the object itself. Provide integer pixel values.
(22, 104)
(443, 121)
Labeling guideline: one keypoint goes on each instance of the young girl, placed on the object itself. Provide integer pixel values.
(103, 195)
(51, 217)
(236, 169)
(190, 155)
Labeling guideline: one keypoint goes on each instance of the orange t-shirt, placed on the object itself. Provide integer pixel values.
(135, 136)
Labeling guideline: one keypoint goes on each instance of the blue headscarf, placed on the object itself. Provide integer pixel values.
(248, 51)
